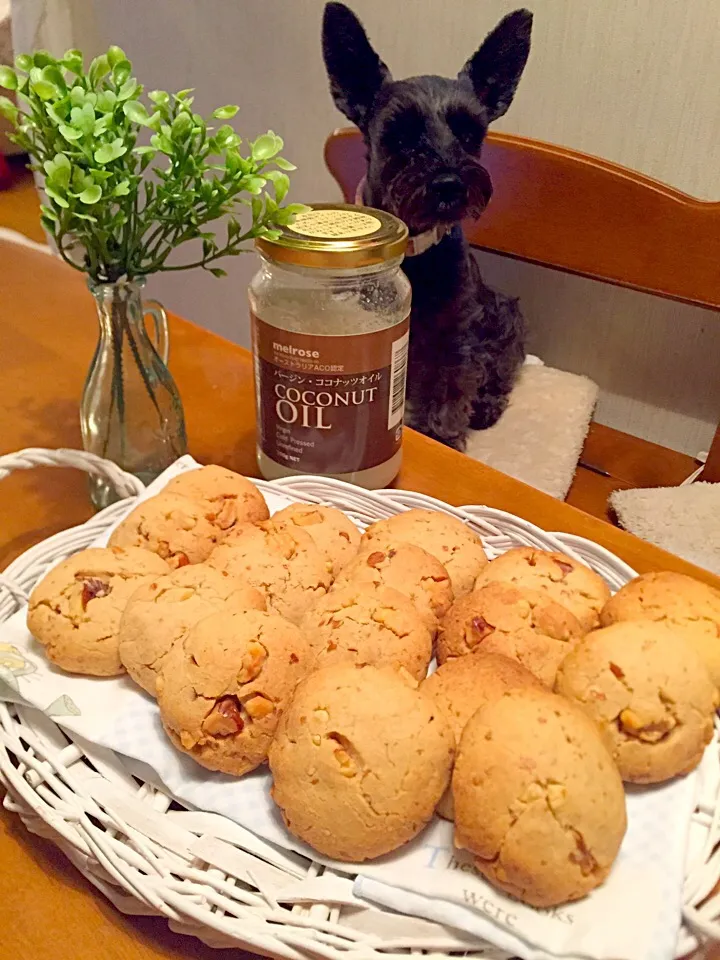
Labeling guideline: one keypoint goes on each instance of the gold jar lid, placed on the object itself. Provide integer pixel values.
(338, 236)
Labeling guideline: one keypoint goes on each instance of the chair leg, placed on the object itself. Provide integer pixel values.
(711, 471)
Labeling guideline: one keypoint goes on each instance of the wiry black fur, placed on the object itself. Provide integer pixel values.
(424, 137)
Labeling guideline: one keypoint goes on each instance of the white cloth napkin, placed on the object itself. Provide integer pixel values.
(635, 915)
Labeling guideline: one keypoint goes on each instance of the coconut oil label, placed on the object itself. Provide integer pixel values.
(330, 404)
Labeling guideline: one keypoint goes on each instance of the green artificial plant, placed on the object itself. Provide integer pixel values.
(84, 132)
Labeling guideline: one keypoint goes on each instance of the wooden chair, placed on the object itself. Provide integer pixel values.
(578, 214)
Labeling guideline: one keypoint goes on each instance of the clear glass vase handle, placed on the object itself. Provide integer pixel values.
(160, 323)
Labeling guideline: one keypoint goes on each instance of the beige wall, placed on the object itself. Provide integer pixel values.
(634, 81)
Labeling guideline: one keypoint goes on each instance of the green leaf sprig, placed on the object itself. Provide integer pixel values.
(118, 208)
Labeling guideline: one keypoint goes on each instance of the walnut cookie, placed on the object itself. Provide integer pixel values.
(452, 542)
(364, 624)
(224, 685)
(170, 525)
(281, 560)
(335, 535)
(692, 608)
(359, 761)
(162, 610)
(406, 568)
(525, 625)
(460, 687)
(226, 497)
(651, 695)
(538, 799)
(75, 610)
(566, 581)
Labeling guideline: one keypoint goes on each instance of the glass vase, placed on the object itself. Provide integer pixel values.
(130, 411)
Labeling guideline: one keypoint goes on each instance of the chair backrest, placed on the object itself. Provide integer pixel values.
(579, 214)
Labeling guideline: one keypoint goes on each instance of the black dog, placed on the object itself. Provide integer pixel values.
(424, 136)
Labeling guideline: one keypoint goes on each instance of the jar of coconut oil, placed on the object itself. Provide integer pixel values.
(330, 313)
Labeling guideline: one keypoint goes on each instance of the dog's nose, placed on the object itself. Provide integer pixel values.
(449, 189)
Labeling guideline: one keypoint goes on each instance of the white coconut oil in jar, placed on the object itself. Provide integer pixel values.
(330, 313)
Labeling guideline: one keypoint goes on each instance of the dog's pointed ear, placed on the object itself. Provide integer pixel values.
(356, 72)
(495, 69)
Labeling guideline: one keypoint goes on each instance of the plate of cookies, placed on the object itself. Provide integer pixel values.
(312, 720)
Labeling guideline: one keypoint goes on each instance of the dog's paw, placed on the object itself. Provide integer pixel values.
(487, 412)
(456, 443)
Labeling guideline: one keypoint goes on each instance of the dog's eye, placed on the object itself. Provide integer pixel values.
(404, 131)
(466, 129)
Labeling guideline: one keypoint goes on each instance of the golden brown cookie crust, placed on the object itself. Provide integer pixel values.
(364, 624)
(359, 761)
(334, 534)
(525, 625)
(281, 560)
(227, 497)
(408, 569)
(538, 799)
(569, 582)
(75, 610)
(224, 686)
(650, 693)
(162, 610)
(448, 539)
(688, 605)
(460, 687)
(170, 525)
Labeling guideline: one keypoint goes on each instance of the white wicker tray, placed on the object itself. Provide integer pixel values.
(206, 874)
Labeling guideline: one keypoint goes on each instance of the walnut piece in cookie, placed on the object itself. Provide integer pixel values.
(223, 687)
(75, 610)
(690, 607)
(162, 610)
(524, 624)
(227, 498)
(281, 560)
(448, 539)
(359, 761)
(650, 693)
(565, 580)
(364, 624)
(335, 535)
(538, 800)
(406, 568)
(460, 687)
(170, 525)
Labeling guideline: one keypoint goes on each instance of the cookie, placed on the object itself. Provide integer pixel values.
(75, 610)
(227, 498)
(363, 624)
(359, 762)
(691, 607)
(281, 560)
(538, 800)
(460, 687)
(335, 536)
(569, 582)
(525, 625)
(224, 686)
(451, 541)
(170, 525)
(651, 695)
(407, 568)
(162, 610)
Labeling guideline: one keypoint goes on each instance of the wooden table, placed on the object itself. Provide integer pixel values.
(47, 335)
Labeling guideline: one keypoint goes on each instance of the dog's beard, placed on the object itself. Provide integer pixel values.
(408, 196)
